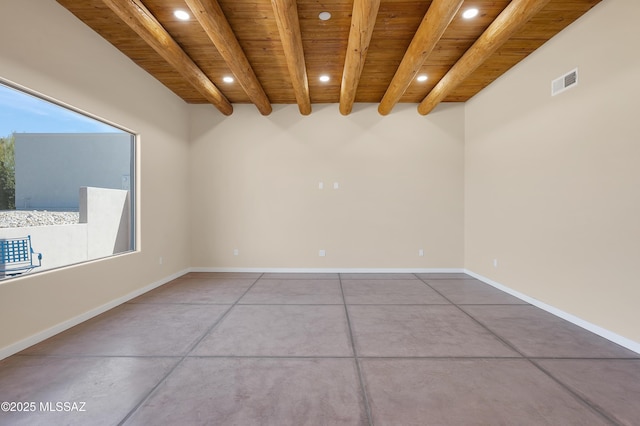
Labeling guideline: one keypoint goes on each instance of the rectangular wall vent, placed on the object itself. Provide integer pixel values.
(565, 82)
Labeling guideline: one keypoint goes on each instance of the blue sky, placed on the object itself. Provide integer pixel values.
(23, 113)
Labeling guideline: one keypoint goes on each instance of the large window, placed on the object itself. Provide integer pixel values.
(67, 185)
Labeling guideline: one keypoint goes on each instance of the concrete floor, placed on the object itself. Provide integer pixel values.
(324, 349)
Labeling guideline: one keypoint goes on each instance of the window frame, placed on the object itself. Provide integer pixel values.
(134, 169)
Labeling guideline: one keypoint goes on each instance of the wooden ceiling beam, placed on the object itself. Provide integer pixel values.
(286, 12)
(215, 24)
(510, 20)
(363, 19)
(433, 25)
(138, 17)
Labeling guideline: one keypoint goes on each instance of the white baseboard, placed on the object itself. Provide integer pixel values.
(609, 335)
(329, 270)
(43, 335)
(58, 328)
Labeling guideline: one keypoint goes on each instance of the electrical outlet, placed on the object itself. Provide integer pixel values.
(421, 252)
(320, 185)
(236, 252)
(336, 185)
(160, 260)
(322, 253)
(495, 263)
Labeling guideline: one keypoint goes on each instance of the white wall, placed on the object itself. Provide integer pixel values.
(254, 187)
(550, 185)
(107, 213)
(553, 183)
(103, 230)
(52, 52)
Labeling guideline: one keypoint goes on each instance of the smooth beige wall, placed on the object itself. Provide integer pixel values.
(47, 49)
(553, 183)
(254, 187)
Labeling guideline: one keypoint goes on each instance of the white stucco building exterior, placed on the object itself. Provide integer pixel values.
(51, 167)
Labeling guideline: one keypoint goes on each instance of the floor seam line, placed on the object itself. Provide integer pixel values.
(365, 397)
(524, 356)
(597, 409)
(182, 358)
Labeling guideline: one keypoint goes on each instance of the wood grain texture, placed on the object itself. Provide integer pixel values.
(286, 13)
(429, 33)
(512, 18)
(324, 44)
(143, 23)
(214, 23)
(363, 20)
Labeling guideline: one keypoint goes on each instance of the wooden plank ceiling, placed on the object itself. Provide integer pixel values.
(372, 50)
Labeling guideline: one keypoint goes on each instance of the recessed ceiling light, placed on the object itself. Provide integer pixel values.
(470, 13)
(182, 15)
(324, 16)
(227, 79)
(324, 78)
(422, 78)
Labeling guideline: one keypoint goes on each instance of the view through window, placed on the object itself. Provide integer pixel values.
(66, 185)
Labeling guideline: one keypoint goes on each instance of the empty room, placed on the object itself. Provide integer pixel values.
(340, 212)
